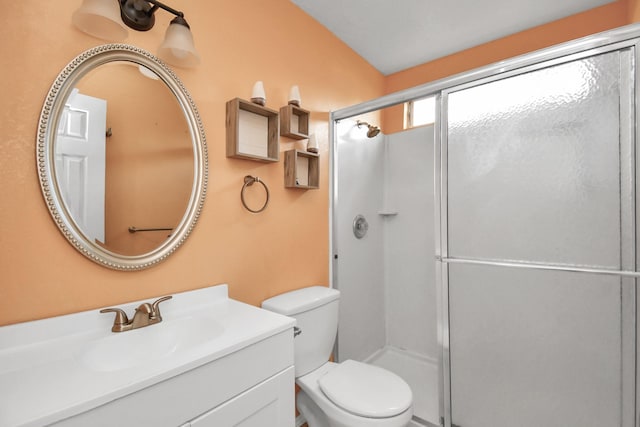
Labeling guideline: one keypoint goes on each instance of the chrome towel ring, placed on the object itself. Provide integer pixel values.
(248, 181)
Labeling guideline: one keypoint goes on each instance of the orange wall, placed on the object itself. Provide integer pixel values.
(599, 19)
(633, 10)
(240, 41)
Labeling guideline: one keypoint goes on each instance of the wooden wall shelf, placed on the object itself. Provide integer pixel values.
(301, 170)
(294, 122)
(252, 131)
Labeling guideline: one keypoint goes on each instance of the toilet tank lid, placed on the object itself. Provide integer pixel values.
(301, 300)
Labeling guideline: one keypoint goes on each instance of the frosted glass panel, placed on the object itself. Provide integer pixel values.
(534, 166)
(533, 348)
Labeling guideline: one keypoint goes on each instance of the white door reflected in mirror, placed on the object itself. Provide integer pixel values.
(80, 162)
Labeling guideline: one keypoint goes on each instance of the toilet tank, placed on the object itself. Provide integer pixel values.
(316, 312)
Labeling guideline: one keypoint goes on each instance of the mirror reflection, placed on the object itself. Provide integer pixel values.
(124, 158)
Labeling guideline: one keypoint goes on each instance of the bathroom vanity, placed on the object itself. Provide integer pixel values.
(212, 361)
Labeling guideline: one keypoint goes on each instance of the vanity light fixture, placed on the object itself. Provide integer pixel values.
(109, 19)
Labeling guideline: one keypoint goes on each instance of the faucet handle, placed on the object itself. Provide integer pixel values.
(155, 310)
(120, 320)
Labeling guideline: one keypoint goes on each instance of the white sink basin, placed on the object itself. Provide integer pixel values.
(55, 368)
(130, 349)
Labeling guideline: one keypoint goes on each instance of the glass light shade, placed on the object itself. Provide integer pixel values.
(258, 90)
(178, 48)
(294, 95)
(101, 19)
(312, 145)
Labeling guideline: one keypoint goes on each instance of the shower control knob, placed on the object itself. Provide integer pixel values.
(360, 226)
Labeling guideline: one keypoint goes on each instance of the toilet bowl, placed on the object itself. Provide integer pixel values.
(347, 394)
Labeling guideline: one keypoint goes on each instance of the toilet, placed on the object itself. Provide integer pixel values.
(346, 394)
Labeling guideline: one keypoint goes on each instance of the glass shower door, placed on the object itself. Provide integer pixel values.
(538, 234)
(533, 348)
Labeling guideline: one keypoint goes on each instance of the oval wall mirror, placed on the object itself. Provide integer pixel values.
(122, 157)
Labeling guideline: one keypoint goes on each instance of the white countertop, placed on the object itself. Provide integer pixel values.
(48, 371)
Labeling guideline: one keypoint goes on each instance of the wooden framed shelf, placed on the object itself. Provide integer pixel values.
(294, 122)
(301, 170)
(252, 131)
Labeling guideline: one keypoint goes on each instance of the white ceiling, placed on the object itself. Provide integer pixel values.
(394, 35)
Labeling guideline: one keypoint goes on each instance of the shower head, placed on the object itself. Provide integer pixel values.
(373, 130)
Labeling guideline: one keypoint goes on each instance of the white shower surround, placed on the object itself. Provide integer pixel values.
(409, 247)
(362, 327)
(387, 278)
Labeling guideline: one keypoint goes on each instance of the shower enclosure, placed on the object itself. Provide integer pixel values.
(498, 272)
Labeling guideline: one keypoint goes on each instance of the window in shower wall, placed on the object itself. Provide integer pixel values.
(420, 112)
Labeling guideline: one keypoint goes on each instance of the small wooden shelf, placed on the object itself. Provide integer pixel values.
(294, 122)
(301, 170)
(252, 131)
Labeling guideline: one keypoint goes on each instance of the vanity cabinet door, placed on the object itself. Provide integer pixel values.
(270, 403)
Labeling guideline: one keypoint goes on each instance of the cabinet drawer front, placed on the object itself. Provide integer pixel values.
(270, 403)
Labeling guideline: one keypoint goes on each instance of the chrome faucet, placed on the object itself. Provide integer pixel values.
(146, 314)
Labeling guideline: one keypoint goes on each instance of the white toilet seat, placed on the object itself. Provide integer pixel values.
(366, 390)
(340, 416)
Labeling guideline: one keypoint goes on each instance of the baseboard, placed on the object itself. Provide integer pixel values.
(300, 421)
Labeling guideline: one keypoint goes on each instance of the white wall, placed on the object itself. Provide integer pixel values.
(360, 263)
(409, 247)
(387, 279)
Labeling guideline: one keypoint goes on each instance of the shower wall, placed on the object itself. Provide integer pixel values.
(409, 248)
(360, 263)
(387, 278)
